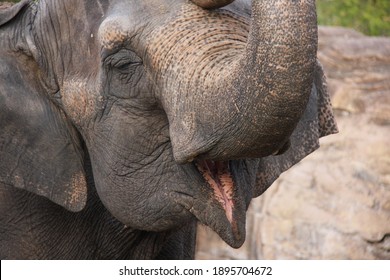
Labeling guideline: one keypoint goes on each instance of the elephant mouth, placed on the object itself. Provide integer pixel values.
(218, 176)
(218, 203)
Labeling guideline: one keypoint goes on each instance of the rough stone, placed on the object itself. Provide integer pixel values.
(4, 5)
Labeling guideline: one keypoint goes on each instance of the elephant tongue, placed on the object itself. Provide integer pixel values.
(230, 224)
(219, 178)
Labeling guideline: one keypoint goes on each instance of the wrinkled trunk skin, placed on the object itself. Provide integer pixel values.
(250, 98)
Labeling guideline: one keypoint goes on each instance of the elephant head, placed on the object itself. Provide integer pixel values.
(187, 110)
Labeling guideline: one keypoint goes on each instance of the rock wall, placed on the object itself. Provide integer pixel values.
(4, 5)
(335, 204)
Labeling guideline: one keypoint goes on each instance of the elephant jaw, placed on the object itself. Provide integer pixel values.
(218, 204)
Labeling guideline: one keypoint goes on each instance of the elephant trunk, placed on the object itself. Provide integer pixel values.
(249, 81)
(272, 82)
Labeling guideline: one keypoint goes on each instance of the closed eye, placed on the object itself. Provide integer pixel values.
(125, 66)
(124, 60)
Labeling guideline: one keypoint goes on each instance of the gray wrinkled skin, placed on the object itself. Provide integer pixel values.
(113, 114)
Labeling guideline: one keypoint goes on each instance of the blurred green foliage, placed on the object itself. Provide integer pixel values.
(371, 17)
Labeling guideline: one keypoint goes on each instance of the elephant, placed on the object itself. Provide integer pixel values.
(125, 123)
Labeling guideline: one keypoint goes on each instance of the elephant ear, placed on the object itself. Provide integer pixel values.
(317, 121)
(40, 150)
(8, 14)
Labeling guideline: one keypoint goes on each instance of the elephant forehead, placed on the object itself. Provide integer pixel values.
(113, 32)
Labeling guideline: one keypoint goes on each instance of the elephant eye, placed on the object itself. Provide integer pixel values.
(124, 61)
(124, 74)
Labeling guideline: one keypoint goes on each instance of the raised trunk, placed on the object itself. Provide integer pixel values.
(258, 97)
(273, 81)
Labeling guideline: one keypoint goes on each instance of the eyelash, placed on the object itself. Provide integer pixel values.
(123, 60)
(125, 66)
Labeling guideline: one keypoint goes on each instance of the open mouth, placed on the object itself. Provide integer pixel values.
(216, 199)
(218, 202)
(218, 176)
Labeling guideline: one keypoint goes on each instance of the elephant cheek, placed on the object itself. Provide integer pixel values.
(135, 203)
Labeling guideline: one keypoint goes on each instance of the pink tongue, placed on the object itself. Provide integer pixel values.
(217, 175)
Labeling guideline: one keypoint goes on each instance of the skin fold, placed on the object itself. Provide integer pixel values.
(126, 123)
